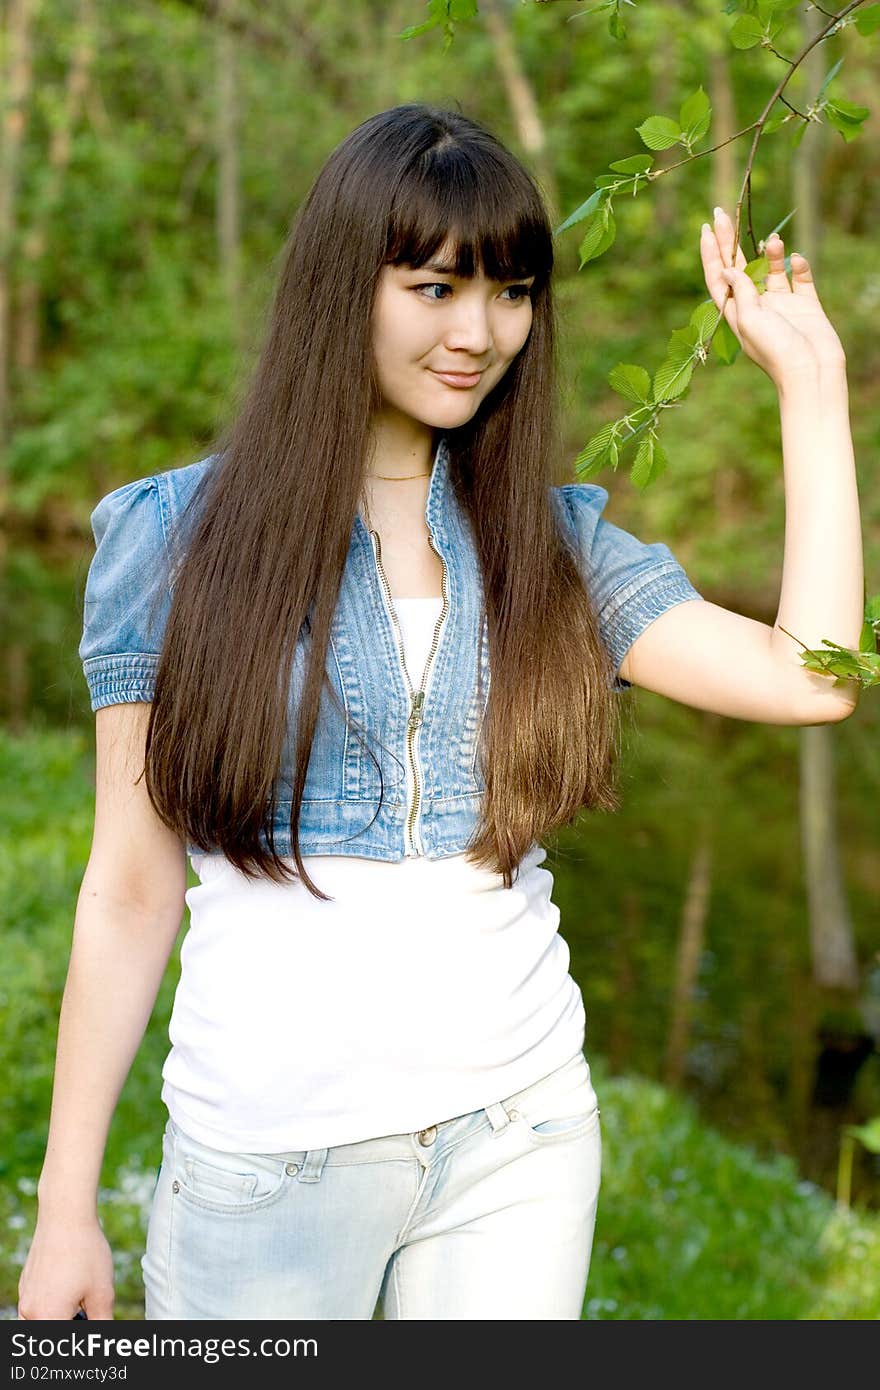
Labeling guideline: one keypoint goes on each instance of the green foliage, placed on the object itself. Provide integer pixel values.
(868, 1134)
(616, 18)
(599, 235)
(845, 116)
(867, 21)
(692, 1227)
(694, 119)
(659, 132)
(843, 662)
(630, 381)
(749, 30)
(443, 14)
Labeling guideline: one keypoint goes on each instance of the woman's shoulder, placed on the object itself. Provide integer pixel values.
(178, 486)
(580, 506)
(166, 493)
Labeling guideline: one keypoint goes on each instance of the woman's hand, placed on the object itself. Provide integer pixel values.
(785, 329)
(69, 1264)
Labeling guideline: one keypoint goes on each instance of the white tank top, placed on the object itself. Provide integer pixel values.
(425, 990)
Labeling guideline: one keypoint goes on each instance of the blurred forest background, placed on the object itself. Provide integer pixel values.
(724, 925)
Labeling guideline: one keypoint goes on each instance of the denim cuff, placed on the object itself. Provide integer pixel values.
(122, 678)
(634, 606)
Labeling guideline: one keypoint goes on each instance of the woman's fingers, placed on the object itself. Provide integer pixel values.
(713, 266)
(802, 276)
(774, 250)
(724, 232)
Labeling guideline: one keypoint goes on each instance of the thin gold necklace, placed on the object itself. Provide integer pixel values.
(393, 478)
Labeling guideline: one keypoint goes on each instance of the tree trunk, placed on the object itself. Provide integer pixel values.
(832, 949)
(523, 102)
(692, 932)
(721, 95)
(228, 208)
(625, 982)
(665, 100)
(687, 962)
(19, 18)
(26, 343)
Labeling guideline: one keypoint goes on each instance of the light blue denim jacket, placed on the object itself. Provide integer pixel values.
(632, 583)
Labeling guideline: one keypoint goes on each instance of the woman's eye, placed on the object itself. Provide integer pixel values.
(438, 286)
(522, 291)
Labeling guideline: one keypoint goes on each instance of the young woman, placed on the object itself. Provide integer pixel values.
(376, 1087)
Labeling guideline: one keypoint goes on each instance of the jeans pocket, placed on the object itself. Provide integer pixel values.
(562, 1106)
(232, 1182)
(563, 1126)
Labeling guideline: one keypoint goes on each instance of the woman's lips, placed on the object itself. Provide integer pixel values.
(459, 379)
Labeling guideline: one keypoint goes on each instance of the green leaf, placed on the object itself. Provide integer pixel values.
(580, 213)
(846, 117)
(799, 133)
(672, 379)
(829, 77)
(747, 30)
(630, 381)
(872, 609)
(783, 222)
(850, 110)
(661, 461)
(650, 461)
(867, 637)
(704, 318)
(725, 344)
(867, 21)
(599, 236)
(844, 664)
(757, 270)
(774, 123)
(693, 108)
(636, 164)
(673, 375)
(640, 473)
(445, 13)
(659, 132)
(597, 444)
(682, 342)
(596, 452)
(696, 132)
(617, 26)
(696, 114)
(868, 1134)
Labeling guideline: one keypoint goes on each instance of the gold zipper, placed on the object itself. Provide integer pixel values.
(416, 697)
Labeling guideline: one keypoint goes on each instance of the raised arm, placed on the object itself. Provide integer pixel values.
(715, 659)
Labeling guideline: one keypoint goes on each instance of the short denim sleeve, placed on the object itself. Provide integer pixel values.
(123, 615)
(632, 582)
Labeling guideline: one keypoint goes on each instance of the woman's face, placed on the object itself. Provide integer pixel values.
(428, 322)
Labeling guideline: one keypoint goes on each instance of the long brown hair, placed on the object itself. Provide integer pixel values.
(276, 507)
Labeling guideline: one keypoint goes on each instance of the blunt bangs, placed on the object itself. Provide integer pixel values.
(495, 222)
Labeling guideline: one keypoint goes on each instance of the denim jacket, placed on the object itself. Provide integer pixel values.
(632, 583)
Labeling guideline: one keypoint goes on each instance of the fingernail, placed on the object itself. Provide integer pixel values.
(705, 227)
(719, 212)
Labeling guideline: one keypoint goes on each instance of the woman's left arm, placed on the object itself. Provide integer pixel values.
(707, 656)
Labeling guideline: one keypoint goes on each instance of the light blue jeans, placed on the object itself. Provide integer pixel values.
(486, 1215)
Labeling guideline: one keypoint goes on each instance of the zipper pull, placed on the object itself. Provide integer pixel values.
(415, 712)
